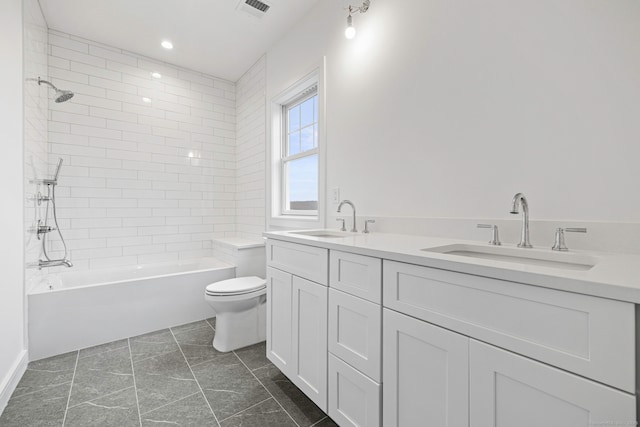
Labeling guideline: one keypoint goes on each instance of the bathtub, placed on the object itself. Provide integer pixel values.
(78, 309)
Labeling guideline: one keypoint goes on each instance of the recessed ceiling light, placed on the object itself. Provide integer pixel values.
(166, 44)
(156, 75)
(147, 100)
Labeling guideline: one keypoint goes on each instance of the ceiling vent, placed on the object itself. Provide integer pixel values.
(255, 8)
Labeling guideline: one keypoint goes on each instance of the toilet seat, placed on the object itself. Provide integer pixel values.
(237, 286)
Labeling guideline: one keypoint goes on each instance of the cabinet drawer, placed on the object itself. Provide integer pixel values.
(591, 336)
(305, 261)
(354, 399)
(355, 331)
(511, 390)
(358, 275)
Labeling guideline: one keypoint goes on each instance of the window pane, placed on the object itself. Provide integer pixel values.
(308, 116)
(294, 118)
(302, 184)
(307, 142)
(294, 143)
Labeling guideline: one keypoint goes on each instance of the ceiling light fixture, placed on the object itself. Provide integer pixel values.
(167, 44)
(350, 31)
(156, 75)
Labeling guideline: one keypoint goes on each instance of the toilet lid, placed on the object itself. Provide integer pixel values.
(237, 286)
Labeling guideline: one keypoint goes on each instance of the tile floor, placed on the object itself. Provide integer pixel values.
(172, 376)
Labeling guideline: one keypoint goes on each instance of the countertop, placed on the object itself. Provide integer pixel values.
(615, 275)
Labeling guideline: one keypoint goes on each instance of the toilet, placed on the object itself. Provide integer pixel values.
(240, 303)
(241, 316)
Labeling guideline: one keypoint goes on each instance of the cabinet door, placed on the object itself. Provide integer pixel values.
(310, 340)
(355, 332)
(425, 374)
(279, 310)
(508, 390)
(354, 399)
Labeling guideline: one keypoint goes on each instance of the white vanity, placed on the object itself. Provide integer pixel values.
(378, 331)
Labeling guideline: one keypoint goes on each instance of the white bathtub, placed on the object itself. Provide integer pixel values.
(79, 309)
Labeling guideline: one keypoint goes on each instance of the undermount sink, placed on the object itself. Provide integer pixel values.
(542, 258)
(323, 233)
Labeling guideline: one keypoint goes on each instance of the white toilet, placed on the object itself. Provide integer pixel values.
(240, 303)
(241, 316)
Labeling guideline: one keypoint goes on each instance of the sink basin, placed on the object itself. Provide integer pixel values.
(542, 258)
(323, 233)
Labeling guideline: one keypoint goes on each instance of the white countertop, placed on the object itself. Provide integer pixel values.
(615, 275)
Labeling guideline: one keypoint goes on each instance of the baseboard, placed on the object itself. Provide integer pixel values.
(10, 382)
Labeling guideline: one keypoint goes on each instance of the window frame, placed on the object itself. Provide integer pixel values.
(277, 217)
(309, 93)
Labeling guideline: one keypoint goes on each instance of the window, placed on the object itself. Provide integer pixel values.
(296, 174)
(299, 158)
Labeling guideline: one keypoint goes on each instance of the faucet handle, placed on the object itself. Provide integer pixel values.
(366, 225)
(559, 243)
(343, 228)
(495, 239)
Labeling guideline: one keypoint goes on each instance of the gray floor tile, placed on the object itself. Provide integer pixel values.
(294, 401)
(47, 373)
(191, 411)
(101, 374)
(117, 409)
(212, 322)
(266, 414)
(152, 344)
(197, 344)
(92, 351)
(326, 422)
(42, 408)
(254, 356)
(163, 379)
(228, 385)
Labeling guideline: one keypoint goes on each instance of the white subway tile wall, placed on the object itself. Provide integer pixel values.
(250, 152)
(35, 128)
(143, 182)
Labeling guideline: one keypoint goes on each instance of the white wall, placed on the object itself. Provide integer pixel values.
(446, 109)
(11, 169)
(141, 183)
(250, 152)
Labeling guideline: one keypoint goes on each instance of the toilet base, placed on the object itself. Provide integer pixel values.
(237, 329)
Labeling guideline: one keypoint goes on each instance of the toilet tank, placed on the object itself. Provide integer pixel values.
(248, 256)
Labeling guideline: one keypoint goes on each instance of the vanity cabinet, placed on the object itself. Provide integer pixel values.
(386, 343)
(297, 316)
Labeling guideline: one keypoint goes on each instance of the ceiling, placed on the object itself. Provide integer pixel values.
(209, 36)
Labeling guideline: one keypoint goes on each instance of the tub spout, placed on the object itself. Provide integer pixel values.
(53, 263)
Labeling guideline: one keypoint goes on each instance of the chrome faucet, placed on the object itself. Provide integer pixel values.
(519, 199)
(348, 202)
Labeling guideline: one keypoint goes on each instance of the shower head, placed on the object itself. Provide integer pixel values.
(61, 95)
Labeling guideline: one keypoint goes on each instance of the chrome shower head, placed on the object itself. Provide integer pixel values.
(61, 95)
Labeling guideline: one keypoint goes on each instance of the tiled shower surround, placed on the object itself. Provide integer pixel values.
(142, 182)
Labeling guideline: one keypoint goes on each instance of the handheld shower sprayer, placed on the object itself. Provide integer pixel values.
(55, 176)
